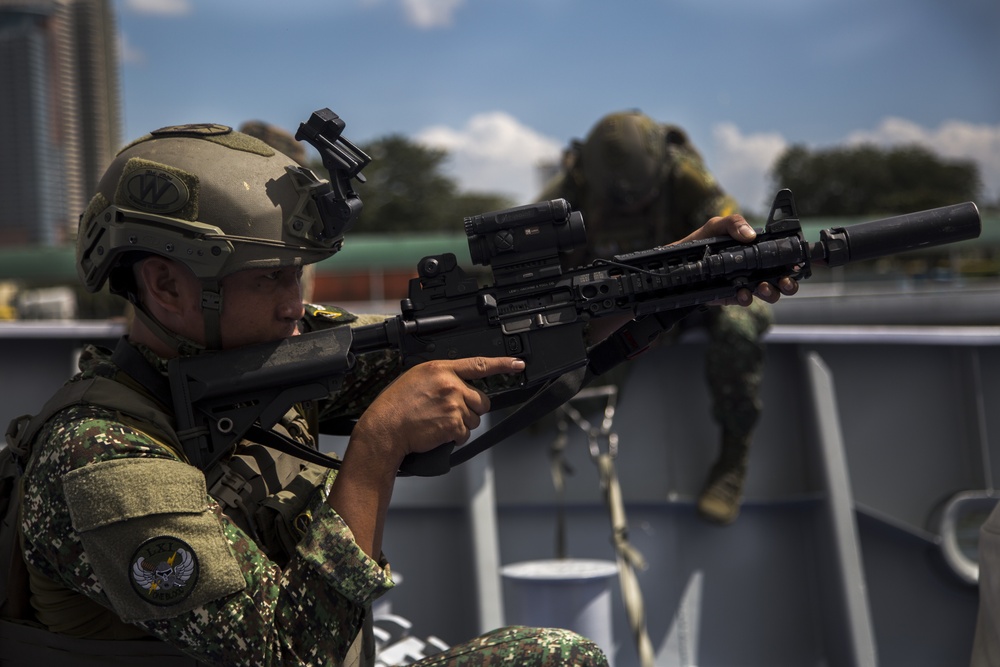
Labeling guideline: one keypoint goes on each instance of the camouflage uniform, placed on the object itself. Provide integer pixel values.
(295, 592)
(640, 184)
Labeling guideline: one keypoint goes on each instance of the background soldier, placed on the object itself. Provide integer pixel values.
(640, 184)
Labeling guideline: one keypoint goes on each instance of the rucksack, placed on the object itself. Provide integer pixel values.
(20, 438)
(13, 575)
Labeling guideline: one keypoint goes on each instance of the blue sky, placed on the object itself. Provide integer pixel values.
(504, 84)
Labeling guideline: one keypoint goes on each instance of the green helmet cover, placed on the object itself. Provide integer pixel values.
(217, 200)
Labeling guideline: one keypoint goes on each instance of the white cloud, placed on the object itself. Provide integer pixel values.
(494, 153)
(431, 13)
(129, 54)
(744, 163)
(952, 140)
(160, 7)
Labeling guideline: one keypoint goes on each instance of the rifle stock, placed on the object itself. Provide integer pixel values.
(534, 310)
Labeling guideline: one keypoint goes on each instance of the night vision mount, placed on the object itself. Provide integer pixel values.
(340, 206)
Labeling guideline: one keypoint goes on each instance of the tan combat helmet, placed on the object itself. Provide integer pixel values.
(277, 138)
(217, 200)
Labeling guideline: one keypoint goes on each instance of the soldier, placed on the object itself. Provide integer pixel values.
(125, 548)
(640, 184)
(262, 558)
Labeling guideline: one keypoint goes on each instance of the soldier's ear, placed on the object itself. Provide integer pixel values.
(164, 282)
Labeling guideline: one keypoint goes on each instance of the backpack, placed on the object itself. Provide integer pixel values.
(13, 575)
(20, 438)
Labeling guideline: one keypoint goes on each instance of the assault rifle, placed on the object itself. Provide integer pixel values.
(534, 309)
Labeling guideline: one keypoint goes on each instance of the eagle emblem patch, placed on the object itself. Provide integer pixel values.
(164, 570)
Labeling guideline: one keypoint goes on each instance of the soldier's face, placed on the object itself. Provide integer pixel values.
(261, 305)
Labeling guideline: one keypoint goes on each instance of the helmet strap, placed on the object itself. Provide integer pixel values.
(181, 345)
(211, 309)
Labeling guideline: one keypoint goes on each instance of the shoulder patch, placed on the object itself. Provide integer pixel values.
(164, 570)
(328, 312)
(318, 316)
(154, 541)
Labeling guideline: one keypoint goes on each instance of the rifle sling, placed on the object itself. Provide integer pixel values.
(545, 400)
(141, 373)
(282, 443)
(633, 338)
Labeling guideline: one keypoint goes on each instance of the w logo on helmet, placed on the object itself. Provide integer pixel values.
(155, 190)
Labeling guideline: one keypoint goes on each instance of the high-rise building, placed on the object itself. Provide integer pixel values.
(60, 118)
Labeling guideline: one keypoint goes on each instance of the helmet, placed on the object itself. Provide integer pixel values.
(622, 160)
(277, 138)
(214, 199)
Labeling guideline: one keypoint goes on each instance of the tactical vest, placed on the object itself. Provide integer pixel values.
(260, 489)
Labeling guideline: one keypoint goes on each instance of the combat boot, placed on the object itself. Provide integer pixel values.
(722, 494)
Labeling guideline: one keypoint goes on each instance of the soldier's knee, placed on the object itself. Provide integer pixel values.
(576, 649)
(530, 646)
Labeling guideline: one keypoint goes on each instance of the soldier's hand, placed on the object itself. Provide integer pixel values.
(433, 403)
(741, 230)
(429, 405)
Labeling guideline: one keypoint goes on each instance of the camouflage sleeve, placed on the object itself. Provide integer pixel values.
(163, 546)
(372, 372)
